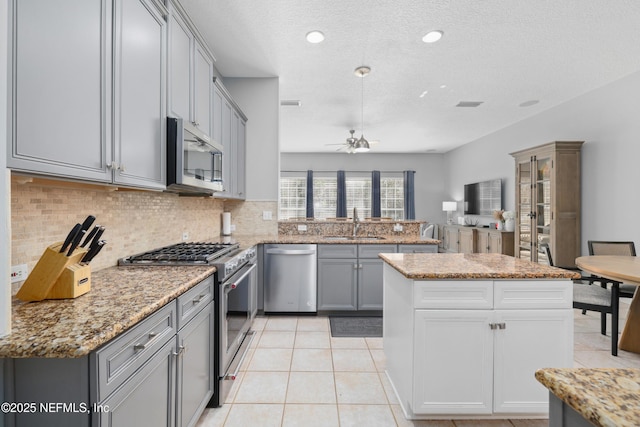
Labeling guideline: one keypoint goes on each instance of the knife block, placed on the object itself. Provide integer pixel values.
(48, 270)
(74, 281)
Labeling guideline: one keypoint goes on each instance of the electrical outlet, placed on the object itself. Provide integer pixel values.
(266, 215)
(19, 273)
(185, 236)
(302, 227)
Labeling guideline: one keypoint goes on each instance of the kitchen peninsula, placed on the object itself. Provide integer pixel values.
(465, 333)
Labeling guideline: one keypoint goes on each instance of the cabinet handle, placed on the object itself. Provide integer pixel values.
(198, 298)
(493, 326)
(112, 165)
(502, 326)
(152, 335)
(121, 168)
(180, 351)
(355, 266)
(139, 347)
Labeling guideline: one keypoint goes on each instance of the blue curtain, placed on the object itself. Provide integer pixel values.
(376, 211)
(409, 199)
(310, 194)
(341, 206)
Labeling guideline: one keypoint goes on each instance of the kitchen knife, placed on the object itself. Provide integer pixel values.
(95, 249)
(90, 236)
(76, 241)
(87, 222)
(96, 238)
(72, 234)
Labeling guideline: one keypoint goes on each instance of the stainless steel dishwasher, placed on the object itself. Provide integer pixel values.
(290, 280)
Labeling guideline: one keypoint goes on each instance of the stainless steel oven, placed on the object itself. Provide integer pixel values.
(235, 316)
(237, 307)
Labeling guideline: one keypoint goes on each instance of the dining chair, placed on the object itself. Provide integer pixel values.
(598, 247)
(595, 298)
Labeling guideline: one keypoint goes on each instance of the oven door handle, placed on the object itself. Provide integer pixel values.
(232, 283)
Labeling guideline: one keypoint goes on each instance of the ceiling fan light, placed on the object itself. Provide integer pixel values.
(361, 145)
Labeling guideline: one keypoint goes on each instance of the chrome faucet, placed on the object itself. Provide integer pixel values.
(356, 222)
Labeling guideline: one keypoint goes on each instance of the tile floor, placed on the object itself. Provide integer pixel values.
(296, 374)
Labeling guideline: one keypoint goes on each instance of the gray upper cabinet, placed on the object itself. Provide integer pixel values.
(180, 79)
(202, 97)
(190, 72)
(139, 94)
(61, 74)
(230, 129)
(88, 98)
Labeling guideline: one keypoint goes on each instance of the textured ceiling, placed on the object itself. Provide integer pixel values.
(500, 52)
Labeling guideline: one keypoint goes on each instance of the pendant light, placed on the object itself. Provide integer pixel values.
(362, 145)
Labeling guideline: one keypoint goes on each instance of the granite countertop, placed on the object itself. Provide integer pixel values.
(472, 266)
(247, 241)
(119, 298)
(603, 396)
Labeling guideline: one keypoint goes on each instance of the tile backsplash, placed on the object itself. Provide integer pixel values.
(135, 221)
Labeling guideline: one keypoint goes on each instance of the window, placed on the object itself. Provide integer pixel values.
(358, 194)
(293, 194)
(293, 197)
(325, 195)
(392, 196)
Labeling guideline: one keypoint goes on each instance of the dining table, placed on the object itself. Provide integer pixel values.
(623, 269)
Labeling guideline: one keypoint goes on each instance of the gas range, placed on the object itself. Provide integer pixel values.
(226, 257)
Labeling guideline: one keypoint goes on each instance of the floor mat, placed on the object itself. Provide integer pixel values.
(355, 326)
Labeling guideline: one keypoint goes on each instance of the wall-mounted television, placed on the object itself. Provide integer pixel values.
(482, 198)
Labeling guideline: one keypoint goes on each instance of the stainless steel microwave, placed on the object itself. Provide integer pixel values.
(194, 160)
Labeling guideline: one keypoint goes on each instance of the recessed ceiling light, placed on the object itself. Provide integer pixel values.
(315, 36)
(443, 86)
(424, 93)
(432, 36)
(529, 103)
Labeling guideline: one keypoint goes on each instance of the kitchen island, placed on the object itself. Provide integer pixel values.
(465, 333)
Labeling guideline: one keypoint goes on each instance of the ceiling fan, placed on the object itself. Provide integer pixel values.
(353, 144)
(350, 145)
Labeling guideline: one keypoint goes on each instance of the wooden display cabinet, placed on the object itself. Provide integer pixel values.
(548, 202)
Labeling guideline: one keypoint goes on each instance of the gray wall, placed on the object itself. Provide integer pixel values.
(607, 119)
(428, 179)
(259, 100)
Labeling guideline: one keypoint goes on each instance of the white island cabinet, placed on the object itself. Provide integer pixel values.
(465, 333)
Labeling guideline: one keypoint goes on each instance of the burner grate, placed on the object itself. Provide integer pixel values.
(184, 253)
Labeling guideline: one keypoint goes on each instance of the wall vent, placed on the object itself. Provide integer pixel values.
(469, 103)
(290, 103)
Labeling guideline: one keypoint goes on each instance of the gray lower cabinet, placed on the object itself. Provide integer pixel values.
(146, 398)
(195, 367)
(337, 284)
(98, 112)
(418, 249)
(160, 372)
(350, 276)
